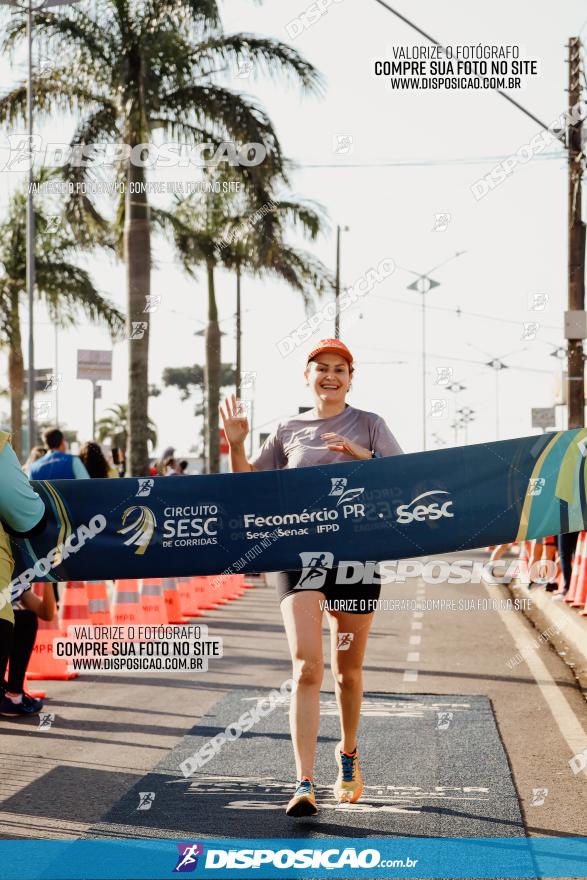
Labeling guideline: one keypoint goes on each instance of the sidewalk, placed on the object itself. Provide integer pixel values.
(558, 623)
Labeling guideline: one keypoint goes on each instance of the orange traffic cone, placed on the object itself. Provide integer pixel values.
(200, 591)
(214, 593)
(172, 600)
(98, 605)
(152, 601)
(33, 692)
(234, 587)
(190, 596)
(74, 605)
(43, 665)
(126, 608)
(577, 562)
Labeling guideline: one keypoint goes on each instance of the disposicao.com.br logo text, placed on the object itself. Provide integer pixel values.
(328, 858)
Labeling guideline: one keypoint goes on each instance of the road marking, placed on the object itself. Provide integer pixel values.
(411, 675)
(418, 615)
(416, 624)
(413, 657)
(415, 640)
(570, 728)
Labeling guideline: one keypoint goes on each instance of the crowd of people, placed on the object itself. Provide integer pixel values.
(23, 512)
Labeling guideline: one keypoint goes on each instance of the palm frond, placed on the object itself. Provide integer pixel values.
(266, 56)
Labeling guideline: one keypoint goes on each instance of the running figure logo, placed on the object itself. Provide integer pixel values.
(538, 797)
(146, 799)
(188, 857)
(315, 566)
(145, 487)
(344, 641)
(536, 485)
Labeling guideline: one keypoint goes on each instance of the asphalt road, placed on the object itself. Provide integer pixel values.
(458, 737)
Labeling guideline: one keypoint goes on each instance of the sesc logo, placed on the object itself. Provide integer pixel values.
(140, 529)
(407, 513)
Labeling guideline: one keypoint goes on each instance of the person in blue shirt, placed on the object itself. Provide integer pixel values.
(57, 463)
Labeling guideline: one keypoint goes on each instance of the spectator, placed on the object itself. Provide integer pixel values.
(35, 454)
(169, 467)
(549, 551)
(22, 512)
(158, 468)
(182, 468)
(27, 609)
(567, 546)
(95, 462)
(57, 463)
(119, 462)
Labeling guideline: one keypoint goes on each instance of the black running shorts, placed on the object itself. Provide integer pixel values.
(354, 598)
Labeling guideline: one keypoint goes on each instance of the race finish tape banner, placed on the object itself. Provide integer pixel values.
(383, 509)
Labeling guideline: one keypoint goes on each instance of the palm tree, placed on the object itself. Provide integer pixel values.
(66, 288)
(114, 425)
(129, 69)
(203, 234)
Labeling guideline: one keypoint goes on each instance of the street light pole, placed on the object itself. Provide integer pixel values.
(30, 212)
(423, 284)
(339, 229)
(456, 388)
(466, 415)
(30, 237)
(497, 365)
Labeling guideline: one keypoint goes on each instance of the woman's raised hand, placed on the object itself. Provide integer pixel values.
(236, 427)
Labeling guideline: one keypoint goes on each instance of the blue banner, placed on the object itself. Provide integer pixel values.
(316, 857)
(392, 508)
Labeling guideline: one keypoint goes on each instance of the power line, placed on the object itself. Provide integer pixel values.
(444, 357)
(437, 43)
(458, 311)
(419, 163)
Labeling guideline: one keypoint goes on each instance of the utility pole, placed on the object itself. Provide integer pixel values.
(238, 376)
(339, 229)
(576, 269)
(30, 236)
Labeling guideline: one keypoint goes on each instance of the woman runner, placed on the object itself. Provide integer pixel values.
(331, 432)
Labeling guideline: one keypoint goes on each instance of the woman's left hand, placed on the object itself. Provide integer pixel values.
(338, 443)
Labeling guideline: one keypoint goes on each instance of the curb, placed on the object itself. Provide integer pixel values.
(557, 623)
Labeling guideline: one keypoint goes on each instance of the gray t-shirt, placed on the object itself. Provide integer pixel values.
(296, 442)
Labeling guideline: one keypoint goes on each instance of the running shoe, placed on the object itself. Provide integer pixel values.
(27, 706)
(348, 788)
(303, 803)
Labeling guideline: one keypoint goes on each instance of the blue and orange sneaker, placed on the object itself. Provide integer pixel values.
(348, 788)
(303, 803)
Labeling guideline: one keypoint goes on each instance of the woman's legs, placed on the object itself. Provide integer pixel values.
(348, 641)
(6, 638)
(25, 633)
(302, 617)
